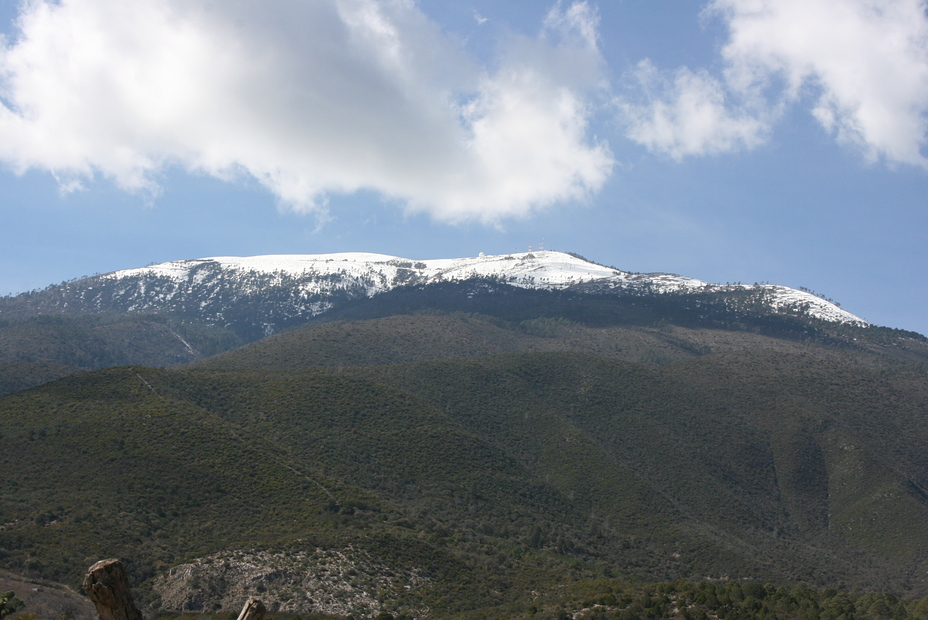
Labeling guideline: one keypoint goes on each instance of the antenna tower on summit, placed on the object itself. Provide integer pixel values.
(541, 246)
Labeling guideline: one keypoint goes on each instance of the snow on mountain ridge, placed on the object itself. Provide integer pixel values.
(320, 274)
(554, 268)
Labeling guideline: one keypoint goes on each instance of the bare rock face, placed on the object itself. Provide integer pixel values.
(253, 610)
(107, 585)
(333, 581)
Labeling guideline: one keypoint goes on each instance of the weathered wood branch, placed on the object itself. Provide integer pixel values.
(107, 585)
(253, 610)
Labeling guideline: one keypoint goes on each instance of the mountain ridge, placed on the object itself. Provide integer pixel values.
(476, 439)
(305, 286)
(180, 312)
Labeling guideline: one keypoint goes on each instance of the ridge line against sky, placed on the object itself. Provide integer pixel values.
(706, 140)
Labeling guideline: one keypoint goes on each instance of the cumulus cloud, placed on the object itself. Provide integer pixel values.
(310, 99)
(861, 67)
(686, 114)
(865, 61)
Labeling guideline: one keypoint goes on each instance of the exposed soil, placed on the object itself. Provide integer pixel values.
(47, 599)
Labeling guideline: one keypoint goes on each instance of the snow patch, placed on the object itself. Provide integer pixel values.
(322, 274)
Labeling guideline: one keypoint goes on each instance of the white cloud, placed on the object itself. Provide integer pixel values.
(579, 21)
(311, 99)
(687, 115)
(865, 60)
(861, 66)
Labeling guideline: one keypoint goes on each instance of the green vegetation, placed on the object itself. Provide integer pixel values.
(436, 336)
(491, 477)
(18, 376)
(96, 323)
(615, 599)
(9, 604)
(101, 340)
(728, 600)
(477, 451)
(738, 310)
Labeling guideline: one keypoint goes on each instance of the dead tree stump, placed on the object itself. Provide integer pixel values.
(107, 586)
(253, 610)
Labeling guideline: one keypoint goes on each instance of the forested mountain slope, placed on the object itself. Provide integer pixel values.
(179, 312)
(436, 335)
(473, 481)
(492, 436)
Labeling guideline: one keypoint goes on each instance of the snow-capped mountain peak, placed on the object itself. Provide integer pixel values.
(316, 278)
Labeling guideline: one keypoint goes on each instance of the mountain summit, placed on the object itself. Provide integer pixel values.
(322, 274)
(279, 290)
(438, 437)
(180, 311)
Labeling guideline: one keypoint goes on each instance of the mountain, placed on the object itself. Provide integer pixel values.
(18, 376)
(487, 485)
(412, 337)
(257, 296)
(179, 312)
(520, 436)
(101, 340)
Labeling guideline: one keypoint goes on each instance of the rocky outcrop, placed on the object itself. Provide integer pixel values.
(333, 581)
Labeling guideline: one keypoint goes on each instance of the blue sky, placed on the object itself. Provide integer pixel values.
(731, 141)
